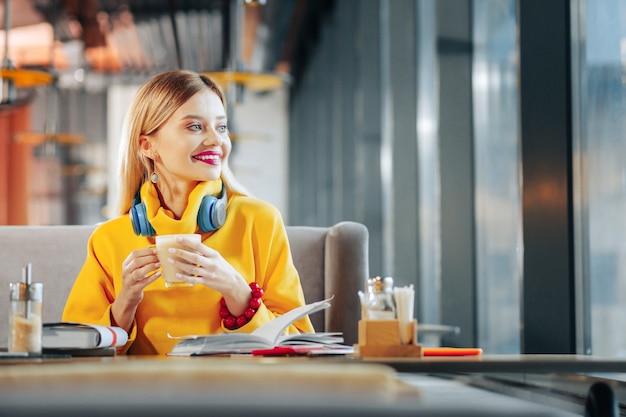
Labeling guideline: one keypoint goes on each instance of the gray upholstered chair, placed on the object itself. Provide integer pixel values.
(331, 261)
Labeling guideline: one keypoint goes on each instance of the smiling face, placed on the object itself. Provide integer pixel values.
(191, 145)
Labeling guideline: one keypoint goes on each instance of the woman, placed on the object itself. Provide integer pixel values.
(174, 152)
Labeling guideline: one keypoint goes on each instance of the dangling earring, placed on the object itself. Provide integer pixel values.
(154, 177)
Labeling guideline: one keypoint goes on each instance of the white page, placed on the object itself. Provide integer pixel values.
(272, 330)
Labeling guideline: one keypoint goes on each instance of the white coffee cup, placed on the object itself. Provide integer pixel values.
(163, 244)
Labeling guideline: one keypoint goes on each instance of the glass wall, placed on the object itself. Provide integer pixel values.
(600, 124)
(499, 248)
(428, 164)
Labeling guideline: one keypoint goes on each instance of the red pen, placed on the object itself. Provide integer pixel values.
(285, 350)
(451, 351)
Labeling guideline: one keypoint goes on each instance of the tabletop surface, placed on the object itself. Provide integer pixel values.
(514, 363)
(242, 385)
(552, 363)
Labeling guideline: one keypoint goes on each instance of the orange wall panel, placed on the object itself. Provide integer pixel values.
(15, 162)
(20, 166)
(4, 168)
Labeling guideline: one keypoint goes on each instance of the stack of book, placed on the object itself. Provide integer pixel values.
(81, 339)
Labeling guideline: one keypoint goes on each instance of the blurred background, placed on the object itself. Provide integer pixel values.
(480, 141)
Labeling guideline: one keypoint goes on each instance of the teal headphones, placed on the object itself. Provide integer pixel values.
(211, 214)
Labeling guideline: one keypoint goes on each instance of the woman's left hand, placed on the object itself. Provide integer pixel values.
(200, 264)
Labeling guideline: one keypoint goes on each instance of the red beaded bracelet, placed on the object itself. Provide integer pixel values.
(231, 322)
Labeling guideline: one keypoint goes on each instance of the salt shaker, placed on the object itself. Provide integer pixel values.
(25, 314)
(380, 304)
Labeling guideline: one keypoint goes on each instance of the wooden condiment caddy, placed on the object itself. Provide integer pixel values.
(381, 338)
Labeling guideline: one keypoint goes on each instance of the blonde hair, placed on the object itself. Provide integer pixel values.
(152, 106)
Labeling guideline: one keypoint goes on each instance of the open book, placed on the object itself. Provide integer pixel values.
(267, 336)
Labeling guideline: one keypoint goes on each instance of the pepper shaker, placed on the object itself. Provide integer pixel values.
(380, 303)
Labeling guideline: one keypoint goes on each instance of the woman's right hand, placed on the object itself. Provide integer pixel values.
(139, 270)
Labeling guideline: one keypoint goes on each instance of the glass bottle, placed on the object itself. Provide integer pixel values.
(380, 304)
(25, 317)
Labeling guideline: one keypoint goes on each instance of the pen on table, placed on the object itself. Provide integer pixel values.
(285, 350)
(451, 351)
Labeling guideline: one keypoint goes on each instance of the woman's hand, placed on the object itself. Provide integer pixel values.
(139, 270)
(199, 264)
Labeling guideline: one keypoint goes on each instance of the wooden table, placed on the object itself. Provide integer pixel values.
(250, 386)
(521, 364)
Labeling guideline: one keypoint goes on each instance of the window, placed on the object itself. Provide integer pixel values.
(599, 93)
(497, 180)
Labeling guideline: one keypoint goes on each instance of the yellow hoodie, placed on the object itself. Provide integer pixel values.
(253, 240)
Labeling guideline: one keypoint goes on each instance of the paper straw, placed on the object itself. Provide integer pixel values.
(405, 299)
